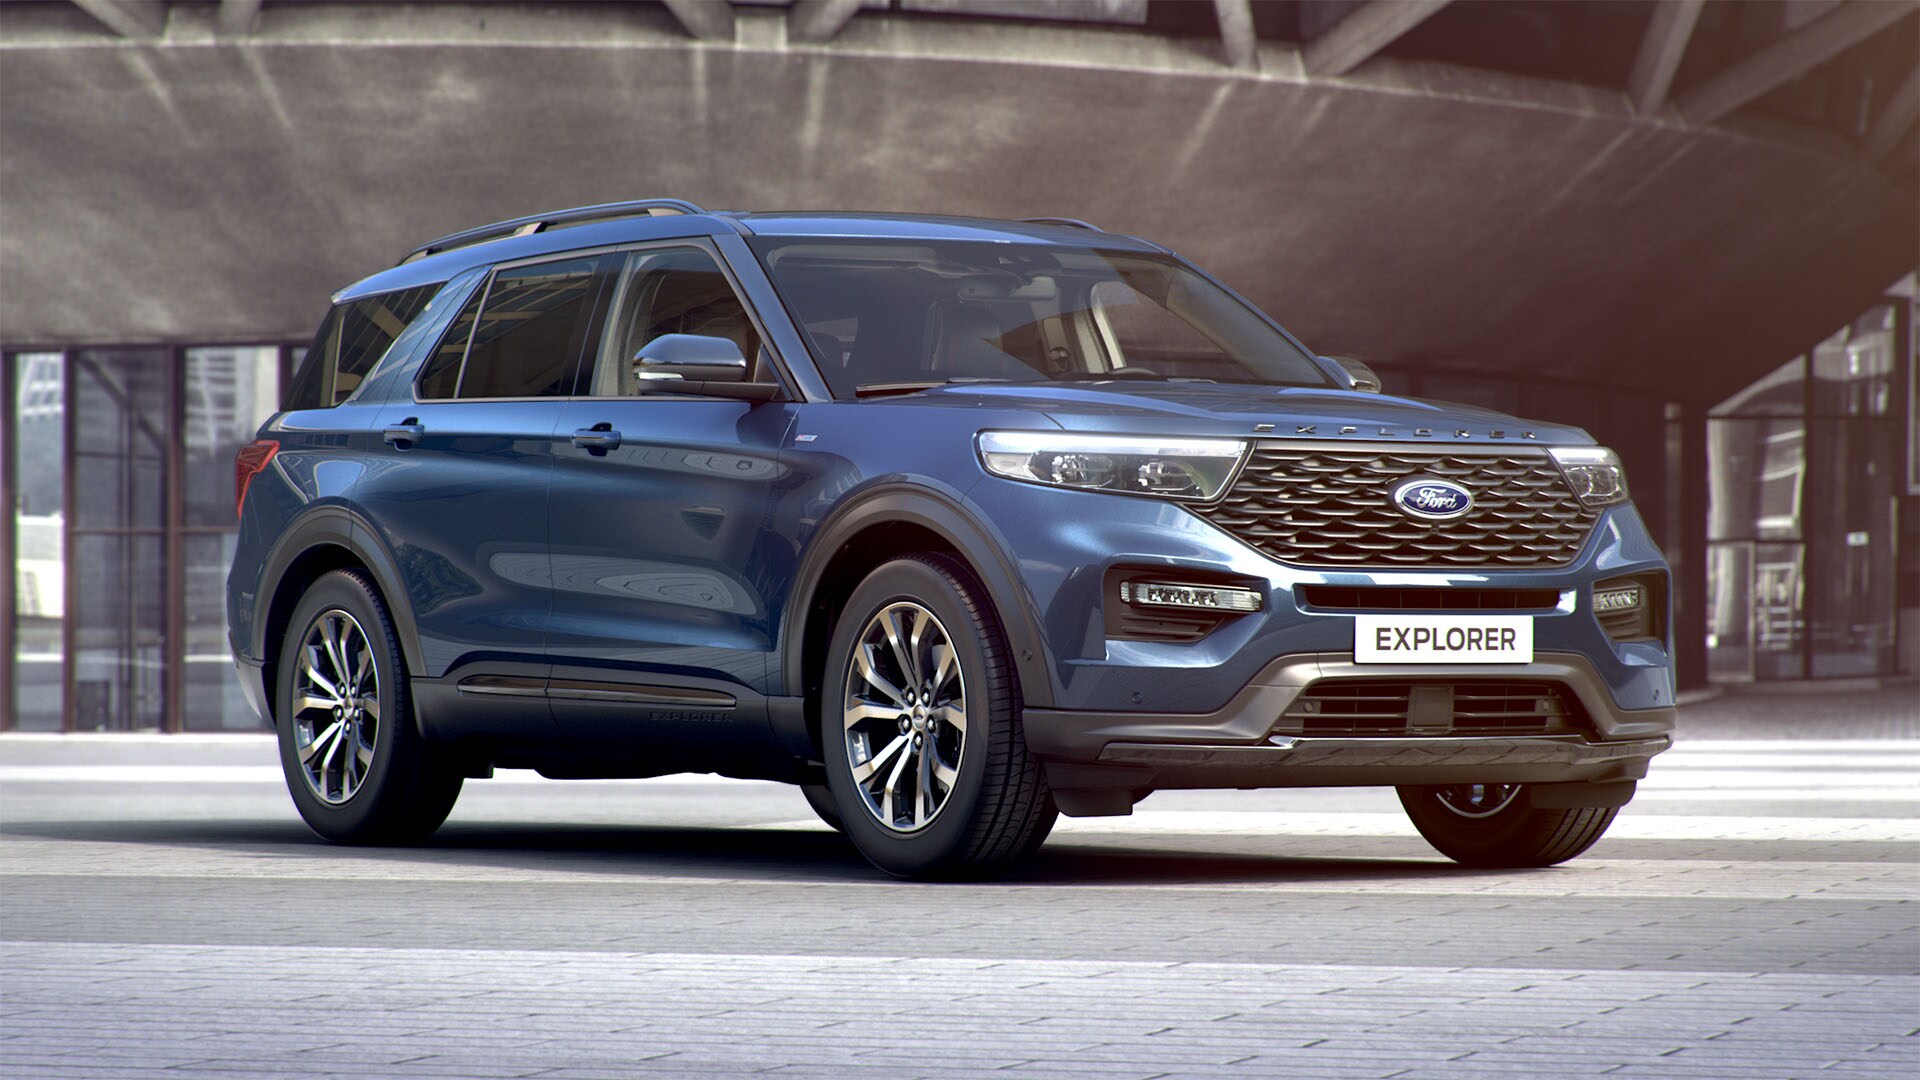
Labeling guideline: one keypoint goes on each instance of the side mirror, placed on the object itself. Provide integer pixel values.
(1359, 376)
(690, 358)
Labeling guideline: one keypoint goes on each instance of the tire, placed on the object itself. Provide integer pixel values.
(368, 777)
(977, 800)
(1494, 825)
(821, 799)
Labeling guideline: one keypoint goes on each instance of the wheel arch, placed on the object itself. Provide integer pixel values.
(881, 524)
(325, 539)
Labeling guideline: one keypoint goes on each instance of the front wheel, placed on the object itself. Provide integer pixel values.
(358, 771)
(1495, 825)
(920, 727)
(820, 797)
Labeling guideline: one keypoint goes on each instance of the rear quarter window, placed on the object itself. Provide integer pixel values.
(350, 343)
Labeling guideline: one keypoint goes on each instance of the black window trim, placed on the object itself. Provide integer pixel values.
(777, 366)
(485, 292)
(336, 314)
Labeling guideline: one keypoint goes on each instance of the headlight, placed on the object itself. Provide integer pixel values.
(1594, 472)
(1168, 468)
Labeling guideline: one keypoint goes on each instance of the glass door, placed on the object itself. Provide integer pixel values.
(119, 487)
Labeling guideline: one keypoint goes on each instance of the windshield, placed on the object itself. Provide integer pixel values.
(889, 316)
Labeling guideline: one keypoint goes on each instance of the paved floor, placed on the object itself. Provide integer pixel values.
(1752, 915)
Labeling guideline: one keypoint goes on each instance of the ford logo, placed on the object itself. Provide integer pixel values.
(1434, 500)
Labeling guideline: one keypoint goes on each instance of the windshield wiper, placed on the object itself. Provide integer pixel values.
(1124, 374)
(884, 389)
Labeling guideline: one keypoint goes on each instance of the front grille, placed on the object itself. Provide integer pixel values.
(1430, 598)
(1313, 506)
(1362, 707)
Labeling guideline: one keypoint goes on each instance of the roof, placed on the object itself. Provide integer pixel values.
(626, 223)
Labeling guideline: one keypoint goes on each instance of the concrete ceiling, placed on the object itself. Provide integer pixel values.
(198, 188)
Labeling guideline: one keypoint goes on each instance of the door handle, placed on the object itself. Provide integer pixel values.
(597, 439)
(403, 434)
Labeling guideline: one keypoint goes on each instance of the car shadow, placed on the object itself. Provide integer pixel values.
(763, 854)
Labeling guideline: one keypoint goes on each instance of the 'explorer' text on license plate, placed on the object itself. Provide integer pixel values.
(1443, 639)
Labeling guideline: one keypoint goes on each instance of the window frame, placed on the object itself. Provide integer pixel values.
(782, 379)
(331, 328)
(485, 292)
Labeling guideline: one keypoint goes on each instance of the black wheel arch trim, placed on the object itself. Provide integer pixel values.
(335, 525)
(940, 514)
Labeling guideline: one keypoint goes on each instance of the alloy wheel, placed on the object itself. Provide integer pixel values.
(336, 706)
(1477, 800)
(904, 717)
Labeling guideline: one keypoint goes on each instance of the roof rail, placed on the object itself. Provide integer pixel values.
(538, 222)
(1071, 223)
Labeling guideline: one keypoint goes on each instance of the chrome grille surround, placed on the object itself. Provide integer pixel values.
(1320, 505)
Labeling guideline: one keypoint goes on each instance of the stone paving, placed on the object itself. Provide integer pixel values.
(178, 921)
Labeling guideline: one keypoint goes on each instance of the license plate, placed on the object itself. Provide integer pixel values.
(1443, 639)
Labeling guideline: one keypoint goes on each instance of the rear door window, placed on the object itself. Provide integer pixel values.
(520, 337)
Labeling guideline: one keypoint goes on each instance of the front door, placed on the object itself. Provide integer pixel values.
(660, 504)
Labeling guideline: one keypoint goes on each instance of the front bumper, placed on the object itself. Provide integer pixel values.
(1235, 745)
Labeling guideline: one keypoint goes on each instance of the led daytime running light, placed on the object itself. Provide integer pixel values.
(1611, 600)
(1209, 597)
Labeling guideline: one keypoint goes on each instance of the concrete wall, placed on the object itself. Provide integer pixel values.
(196, 189)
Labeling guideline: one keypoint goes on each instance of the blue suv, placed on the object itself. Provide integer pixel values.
(958, 524)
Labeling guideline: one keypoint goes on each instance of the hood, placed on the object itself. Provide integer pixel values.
(1161, 408)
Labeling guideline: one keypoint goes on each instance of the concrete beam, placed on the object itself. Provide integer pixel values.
(1895, 119)
(1791, 57)
(819, 20)
(1660, 52)
(1236, 33)
(237, 17)
(704, 19)
(128, 18)
(1364, 32)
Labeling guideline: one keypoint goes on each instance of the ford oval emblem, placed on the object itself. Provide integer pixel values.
(1434, 500)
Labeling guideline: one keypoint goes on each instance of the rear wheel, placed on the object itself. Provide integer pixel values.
(920, 727)
(1494, 825)
(358, 770)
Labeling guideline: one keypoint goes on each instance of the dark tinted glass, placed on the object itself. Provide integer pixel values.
(308, 390)
(441, 376)
(528, 336)
(351, 341)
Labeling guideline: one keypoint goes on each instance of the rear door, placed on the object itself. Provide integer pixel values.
(660, 634)
(461, 494)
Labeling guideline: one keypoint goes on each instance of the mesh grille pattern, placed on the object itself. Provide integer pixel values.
(1334, 507)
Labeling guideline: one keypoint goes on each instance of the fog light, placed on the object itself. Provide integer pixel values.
(1209, 597)
(1606, 601)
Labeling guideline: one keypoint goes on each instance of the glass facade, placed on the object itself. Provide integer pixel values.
(1805, 498)
(36, 465)
(229, 392)
(119, 467)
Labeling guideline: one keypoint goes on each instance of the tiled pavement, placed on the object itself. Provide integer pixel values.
(1752, 916)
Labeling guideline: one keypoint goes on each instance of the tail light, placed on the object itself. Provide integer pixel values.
(248, 464)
